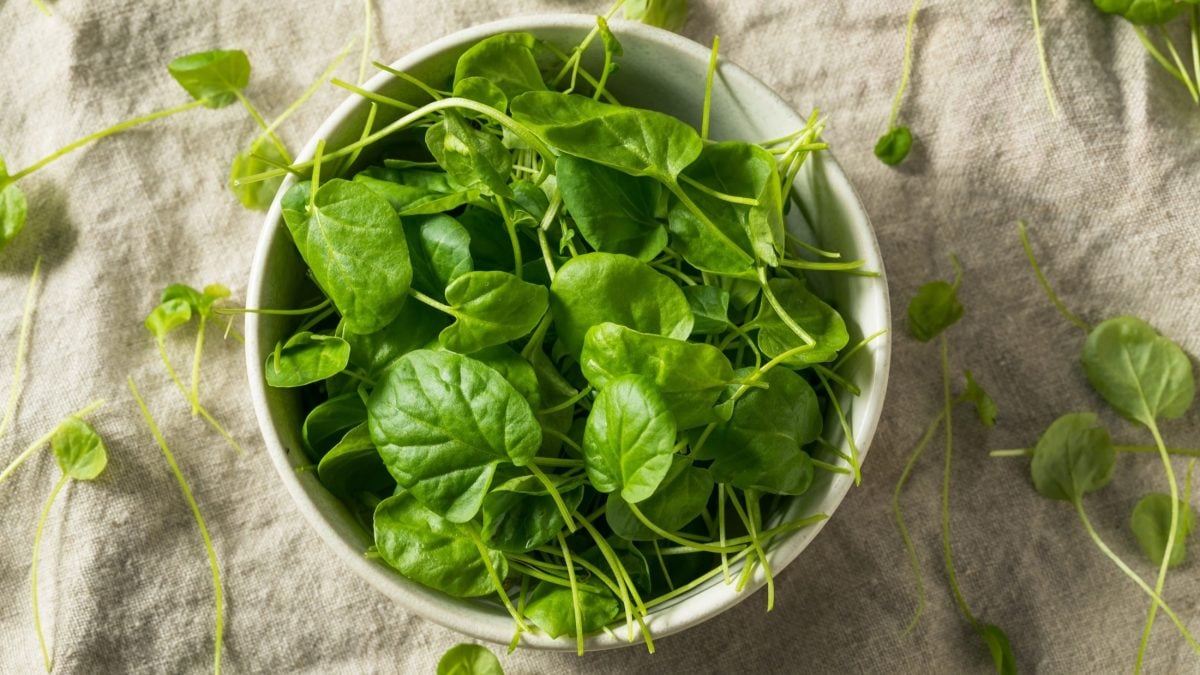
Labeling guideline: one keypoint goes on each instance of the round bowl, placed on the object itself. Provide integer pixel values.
(665, 72)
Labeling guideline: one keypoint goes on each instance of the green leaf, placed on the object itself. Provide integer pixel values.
(415, 327)
(1002, 654)
(668, 14)
(259, 194)
(629, 439)
(710, 307)
(1151, 524)
(354, 245)
(761, 446)
(439, 248)
(213, 77)
(552, 608)
(615, 212)
(933, 309)
(985, 407)
(893, 147)
(168, 316)
(443, 422)
(327, 423)
(506, 60)
(414, 192)
(820, 320)
(201, 302)
(1141, 374)
(681, 498)
(491, 308)
(472, 157)
(482, 90)
(520, 515)
(514, 369)
(13, 210)
(1075, 456)
(1142, 12)
(468, 659)
(747, 234)
(353, 466)
(431, 550)
(79, 450)
(689, 375)
(306, 358)
(635, 141)
(599, 287)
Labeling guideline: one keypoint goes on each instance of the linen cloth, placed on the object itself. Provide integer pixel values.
(1110, 188)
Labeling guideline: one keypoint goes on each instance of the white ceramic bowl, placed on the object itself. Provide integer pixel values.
(662, 71)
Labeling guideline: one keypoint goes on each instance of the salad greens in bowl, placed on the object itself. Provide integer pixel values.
(569, 335)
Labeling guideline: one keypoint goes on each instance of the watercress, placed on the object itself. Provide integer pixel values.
(560, 351)
(469, 659)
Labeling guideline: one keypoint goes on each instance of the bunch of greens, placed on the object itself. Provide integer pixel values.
(932, 310)
(561, 351)
(1144, 377)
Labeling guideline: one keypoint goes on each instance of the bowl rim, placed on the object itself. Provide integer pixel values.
(696, 607)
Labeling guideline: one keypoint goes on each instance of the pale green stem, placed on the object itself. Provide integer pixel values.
(14, 390)
(1087, 524)
(906, 70)
(162, 351)
(948, 416)
(1170, 546)
(196, 366)
(1162, 60)
(1187, 79)
(1037, 270)
(262, 124)
(100, 134)
(187, 495)
(366, 50)
(295, 105)
(898, 515)
(708, 87)
(554, 495)
(37, 545)
(675, 537)
(45, 10)
(1041, 51)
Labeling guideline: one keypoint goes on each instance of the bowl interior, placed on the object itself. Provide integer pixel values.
(664, 72)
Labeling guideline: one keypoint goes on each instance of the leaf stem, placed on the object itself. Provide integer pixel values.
(846, 430)
(128, 124)
(273, 312)
(675, 537)
(366, 50)
(732, 199)
(575, 603)
(906, 69)
(567, 403)
(834, 266)
(45, 10)
(416, 82)
(37, 545)
(898, 516)
(196, 365)
(295, 105)
(1037, 270)
(782, 313)
(855, 349)
(948, 416)
(1187, 80)
(1045, 67)
(748, 517)
(187, 495)
(1087, 524)
(497, 582)
(162, 351)
(1170, 545)
(44, 439)
(1162, 60)
(432, 303)
(1028, 452)
(708, 87)
(14, 390)
(558, 500)
(262, 124)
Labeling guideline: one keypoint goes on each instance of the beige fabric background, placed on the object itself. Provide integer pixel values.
(1111, 189)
